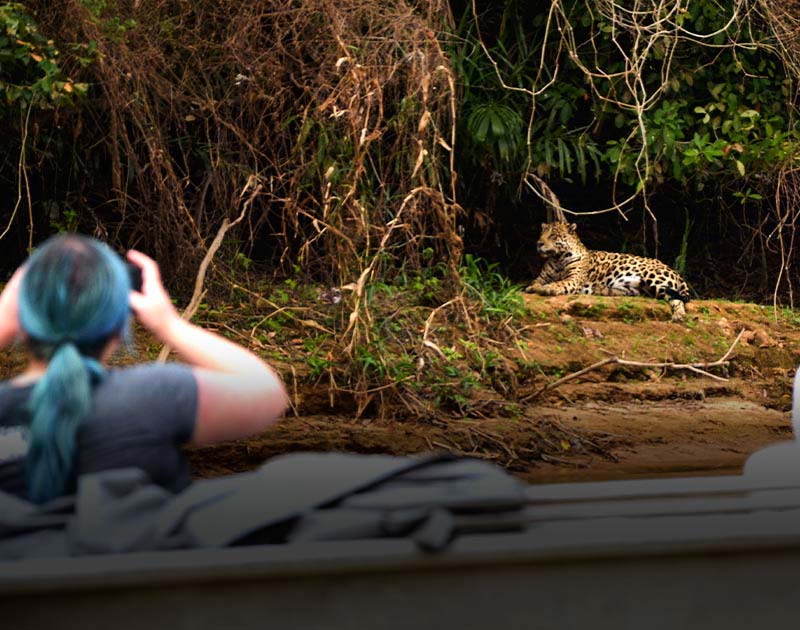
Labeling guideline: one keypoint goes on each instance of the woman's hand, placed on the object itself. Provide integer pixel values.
(238, 394)
(9, 309)
(152, 306)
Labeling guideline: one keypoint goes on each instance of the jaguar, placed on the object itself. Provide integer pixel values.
(570, 267)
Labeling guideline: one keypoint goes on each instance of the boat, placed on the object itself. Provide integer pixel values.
(688, 552)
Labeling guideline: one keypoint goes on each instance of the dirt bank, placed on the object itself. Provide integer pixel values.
(634, 439)
(616, 421)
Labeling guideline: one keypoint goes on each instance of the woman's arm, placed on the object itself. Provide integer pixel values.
(239, 394)
(9, 309)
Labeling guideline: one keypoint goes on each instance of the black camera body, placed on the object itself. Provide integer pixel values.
(135, 273)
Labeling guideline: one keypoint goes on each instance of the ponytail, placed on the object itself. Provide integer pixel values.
(73, 299)
(59, 402)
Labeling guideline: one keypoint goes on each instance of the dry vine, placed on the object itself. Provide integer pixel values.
(341, 118)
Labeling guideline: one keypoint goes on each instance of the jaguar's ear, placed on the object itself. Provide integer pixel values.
(572, 228)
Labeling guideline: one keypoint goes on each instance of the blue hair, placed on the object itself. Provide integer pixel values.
(73, 299)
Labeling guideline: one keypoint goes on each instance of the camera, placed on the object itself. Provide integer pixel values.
(135, 273)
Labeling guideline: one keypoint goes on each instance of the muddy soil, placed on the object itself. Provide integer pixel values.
(639, 439)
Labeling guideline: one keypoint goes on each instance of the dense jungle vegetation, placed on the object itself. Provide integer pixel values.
(357, 175)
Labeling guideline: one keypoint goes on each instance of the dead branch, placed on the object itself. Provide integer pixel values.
(199, 293)
(555, 211)
(700, 368)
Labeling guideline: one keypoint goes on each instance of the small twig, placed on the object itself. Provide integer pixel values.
(559, 460)
(373, 390)
(249, 340)
(22, 174)
(733, 345)
(453, 449)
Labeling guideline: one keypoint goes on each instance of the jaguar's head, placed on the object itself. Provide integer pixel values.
(557, 239)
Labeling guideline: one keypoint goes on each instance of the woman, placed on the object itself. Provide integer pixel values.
(66, 415)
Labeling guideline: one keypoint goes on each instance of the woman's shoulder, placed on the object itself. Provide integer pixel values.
(152, 371)
(149, 392)
(159, 379)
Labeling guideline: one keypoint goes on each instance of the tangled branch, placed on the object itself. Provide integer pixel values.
(340, 117)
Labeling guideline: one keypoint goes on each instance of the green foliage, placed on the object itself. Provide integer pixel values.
(102, 13)
(498, 296)
(29, 64)
(715, 109)
(497, 128)
(723, 110)
(67, 221)
(631, 310)
(499, 133)
(791, 316)
(316, 356)
(242, 260)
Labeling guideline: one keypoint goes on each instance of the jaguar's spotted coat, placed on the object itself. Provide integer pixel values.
(570, 267)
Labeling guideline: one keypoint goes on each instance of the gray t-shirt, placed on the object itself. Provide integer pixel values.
(142, 416)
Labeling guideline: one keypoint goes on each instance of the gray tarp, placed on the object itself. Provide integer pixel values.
(298, 497)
